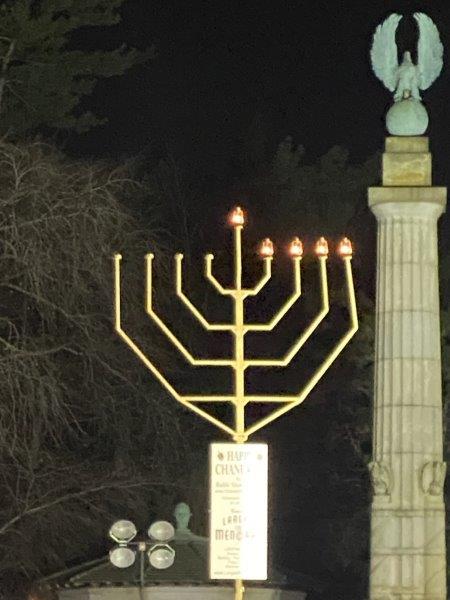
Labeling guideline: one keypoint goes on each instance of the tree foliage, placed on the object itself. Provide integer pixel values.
(43, 76)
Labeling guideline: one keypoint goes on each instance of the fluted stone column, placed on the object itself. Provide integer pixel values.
(408, 560)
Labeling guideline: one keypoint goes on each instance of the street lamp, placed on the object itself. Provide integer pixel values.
(159, 553)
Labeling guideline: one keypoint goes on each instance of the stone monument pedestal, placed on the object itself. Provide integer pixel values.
(408, 557)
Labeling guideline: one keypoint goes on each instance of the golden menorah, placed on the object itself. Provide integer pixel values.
(239, 363)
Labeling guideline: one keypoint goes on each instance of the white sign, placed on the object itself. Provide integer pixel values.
(238, 503)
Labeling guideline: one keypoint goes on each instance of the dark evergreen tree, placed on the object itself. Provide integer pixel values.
(43, 76)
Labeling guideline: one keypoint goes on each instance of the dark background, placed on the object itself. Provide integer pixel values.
(297, 68)
(303, 66)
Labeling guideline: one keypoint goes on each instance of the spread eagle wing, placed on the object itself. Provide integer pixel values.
(384, 54)
(429, 51)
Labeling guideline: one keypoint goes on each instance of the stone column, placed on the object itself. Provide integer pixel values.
(408, 559)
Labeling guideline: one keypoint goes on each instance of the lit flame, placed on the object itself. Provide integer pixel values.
(321, 247)
(296, 248)
(266, 249)
(345, 247)
(237, 217)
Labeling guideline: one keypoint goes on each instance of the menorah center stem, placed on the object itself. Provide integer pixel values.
(239, 362)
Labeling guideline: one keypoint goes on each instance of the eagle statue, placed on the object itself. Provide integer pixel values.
(406, 79)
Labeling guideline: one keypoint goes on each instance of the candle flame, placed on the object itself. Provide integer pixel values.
(345, 247)
(321, 248)
(266, 249)
(237, 218)
(296, 247)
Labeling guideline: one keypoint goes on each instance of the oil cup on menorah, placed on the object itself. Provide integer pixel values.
(238, 535)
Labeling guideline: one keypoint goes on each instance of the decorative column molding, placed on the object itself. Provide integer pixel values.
(408, 557)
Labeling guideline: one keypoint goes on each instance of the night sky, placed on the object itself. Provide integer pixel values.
(301, 66)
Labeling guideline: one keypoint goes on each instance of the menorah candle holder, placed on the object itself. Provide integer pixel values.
(239, 363)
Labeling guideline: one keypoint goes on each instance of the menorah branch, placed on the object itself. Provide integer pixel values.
(194, 310)
(265, 278)
(198, 362)
(148, 363)
(209, 275)
(212, 398)
(326, 363)
(284, 362)
(285, 308)
(127, 339)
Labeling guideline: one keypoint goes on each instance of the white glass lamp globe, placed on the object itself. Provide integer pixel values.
(161, 531)
(161, 557)
(122, 557)
(123, 531)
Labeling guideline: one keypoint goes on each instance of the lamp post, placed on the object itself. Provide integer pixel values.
(159, 553)
(240, 506)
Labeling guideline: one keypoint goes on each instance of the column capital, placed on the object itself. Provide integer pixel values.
(408, 195)
(387, 202)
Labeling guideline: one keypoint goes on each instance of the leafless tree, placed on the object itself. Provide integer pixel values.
(80, 421)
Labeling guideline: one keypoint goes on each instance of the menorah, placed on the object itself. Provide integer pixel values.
(239, 399)
(239, 362)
